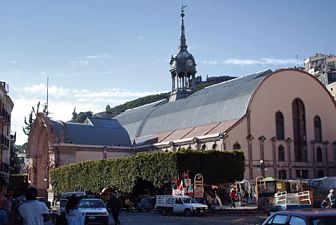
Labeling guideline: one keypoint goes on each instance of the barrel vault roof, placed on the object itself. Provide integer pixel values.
(94, 131)
(227, 101)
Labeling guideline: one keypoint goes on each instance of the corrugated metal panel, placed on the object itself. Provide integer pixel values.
(104, 122)
(222, 127)
(178, 134)
(78, 133)
(201, 130)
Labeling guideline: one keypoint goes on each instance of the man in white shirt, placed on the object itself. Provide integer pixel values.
(33, 211)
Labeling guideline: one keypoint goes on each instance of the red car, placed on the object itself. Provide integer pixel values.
(303, 217)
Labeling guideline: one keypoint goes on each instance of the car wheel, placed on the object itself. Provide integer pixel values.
(164, 212)
(187, 212)
(150, 208)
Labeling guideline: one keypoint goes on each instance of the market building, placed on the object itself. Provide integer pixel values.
(282, 120)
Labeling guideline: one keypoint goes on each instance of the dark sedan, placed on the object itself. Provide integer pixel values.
(303, 217)
(146, 203)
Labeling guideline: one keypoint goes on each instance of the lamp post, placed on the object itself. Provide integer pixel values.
(263, 167)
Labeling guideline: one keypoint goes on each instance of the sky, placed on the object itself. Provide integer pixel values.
(99, 52)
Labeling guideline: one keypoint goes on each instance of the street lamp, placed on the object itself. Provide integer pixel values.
(263, 167)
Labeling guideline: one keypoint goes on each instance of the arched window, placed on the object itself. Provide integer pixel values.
(281, 152)
(319, 157)
(236, 146)
(214, 146)
(317, 129)
(280, 126)
(299, 130)
(204, 146)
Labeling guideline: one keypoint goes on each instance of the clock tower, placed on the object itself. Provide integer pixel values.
(183, 68)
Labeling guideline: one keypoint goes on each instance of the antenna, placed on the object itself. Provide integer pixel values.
(183, 7)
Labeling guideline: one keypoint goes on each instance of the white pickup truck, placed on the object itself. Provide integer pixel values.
(169, 204)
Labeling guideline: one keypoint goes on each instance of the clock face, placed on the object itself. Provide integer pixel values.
(190, 62)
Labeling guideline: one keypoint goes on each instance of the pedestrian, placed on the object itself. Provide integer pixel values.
(73, 215)
(332, 198)
(233, 197)
(4, 203)
(33, 211)
(127, 204)
(114, 204)
(18, 200)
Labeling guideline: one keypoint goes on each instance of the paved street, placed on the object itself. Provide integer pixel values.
(145, 218)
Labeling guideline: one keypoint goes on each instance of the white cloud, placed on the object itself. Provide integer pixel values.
(89, 59)
(210, 62)
(12, 62)
(62, 102)
(103, 56)
(80, 62)
(251, 62)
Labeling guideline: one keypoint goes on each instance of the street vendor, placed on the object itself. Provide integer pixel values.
(332, 198)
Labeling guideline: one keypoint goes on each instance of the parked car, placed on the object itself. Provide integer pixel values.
(95, 211)
(146, 204)
(60, 204)
(303, 217)
(69, 194)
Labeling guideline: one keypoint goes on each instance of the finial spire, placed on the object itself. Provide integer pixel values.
(183, 41)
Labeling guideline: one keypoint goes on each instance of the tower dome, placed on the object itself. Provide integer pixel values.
(183, 68)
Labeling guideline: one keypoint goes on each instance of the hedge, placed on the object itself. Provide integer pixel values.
(158, 168)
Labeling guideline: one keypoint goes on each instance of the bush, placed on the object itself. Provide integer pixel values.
(158, 168)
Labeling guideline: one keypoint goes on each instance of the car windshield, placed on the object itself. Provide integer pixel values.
(325, 221)
(91, 203)
(189, 200)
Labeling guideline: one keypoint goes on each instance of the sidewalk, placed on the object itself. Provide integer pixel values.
(250, 209)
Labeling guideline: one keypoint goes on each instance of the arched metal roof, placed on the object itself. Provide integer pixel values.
(222, 102)
(95, 131)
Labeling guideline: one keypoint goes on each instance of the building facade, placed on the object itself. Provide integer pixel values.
(267, 115)
(6, 107)
(322, 66)
(282, 120)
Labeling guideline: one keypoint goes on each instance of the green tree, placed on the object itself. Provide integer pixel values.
(81, 117)
(28, 123)
(108, 108)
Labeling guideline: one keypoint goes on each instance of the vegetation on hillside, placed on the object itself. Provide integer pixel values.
(136, 103)
(113, 111)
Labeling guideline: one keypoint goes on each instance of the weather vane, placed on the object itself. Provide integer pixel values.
(182, 9)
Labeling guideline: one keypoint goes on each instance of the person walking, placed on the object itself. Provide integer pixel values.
(114, 204)
(233, 197)
(332, 198)
(4, 203)
(16, 218)
(33, 211)
(73, 215)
